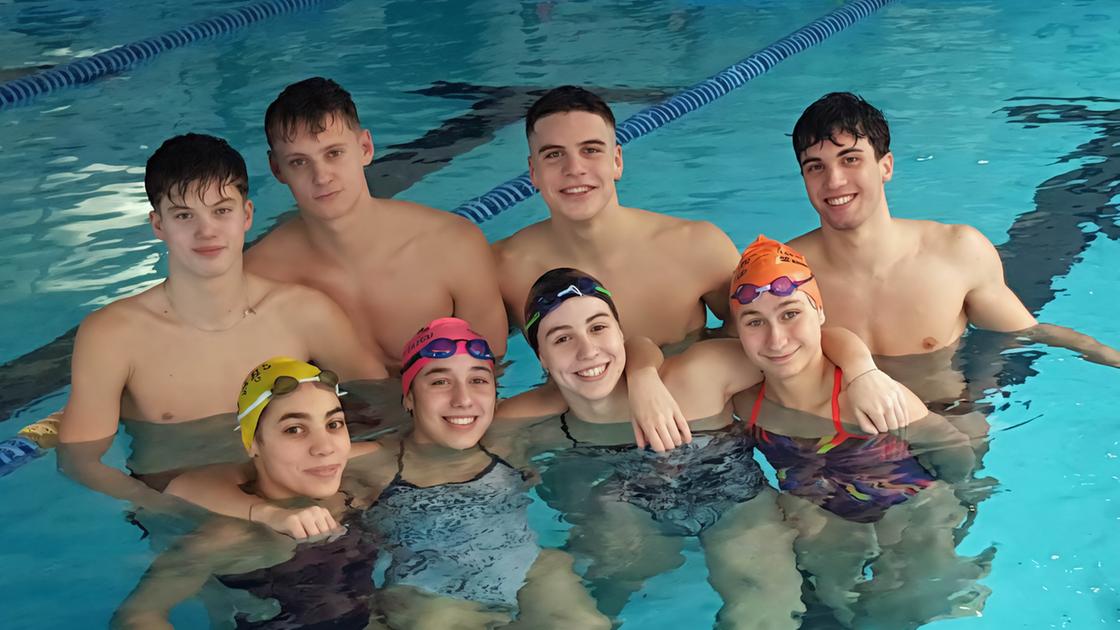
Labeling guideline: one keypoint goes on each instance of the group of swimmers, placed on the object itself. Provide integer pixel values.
(336, 295)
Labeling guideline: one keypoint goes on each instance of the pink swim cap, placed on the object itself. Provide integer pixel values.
(417, 352)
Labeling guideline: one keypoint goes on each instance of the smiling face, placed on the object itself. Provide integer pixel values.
(325, 171)
(301, 444)
(780, 335)
(582, 347)
(452, 401)
(844, 180)
(574, 161)
(204, 229)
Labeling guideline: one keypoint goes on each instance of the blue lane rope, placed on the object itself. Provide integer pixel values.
(520, 188)
(20, 91)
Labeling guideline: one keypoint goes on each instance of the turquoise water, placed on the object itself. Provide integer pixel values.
(945, 74)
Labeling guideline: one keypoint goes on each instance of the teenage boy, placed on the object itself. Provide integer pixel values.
(906, 287)
(172, 353)
(663, 270)
(391, 265)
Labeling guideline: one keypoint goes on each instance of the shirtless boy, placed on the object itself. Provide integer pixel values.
(665, 270)
(177, 351)
(391, 265)
(906, 287)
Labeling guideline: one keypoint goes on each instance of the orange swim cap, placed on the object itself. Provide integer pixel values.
(765, 260)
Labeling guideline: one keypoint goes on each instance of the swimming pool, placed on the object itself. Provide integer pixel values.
(1003, 116)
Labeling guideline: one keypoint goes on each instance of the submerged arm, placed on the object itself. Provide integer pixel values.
(1061, 337)
(99, 375)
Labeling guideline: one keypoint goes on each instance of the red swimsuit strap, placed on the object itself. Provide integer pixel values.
(841, 434)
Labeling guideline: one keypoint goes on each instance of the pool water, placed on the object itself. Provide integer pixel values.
(1004, 115)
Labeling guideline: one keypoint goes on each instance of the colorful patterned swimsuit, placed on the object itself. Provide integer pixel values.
(853, 476)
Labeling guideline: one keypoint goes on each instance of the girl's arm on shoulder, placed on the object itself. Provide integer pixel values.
(218, 489)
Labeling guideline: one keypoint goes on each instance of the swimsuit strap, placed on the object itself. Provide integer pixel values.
(566, 430)
(826, 446)
(841, 434)
(760, 432)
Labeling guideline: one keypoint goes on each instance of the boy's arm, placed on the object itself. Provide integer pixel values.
(656, 417)
(218, 488)
(1059, 336)
(721, 258)
(947, 450)
(331, 339)
(98, 376)
(877, 402)
(474, 287)
(990, 303)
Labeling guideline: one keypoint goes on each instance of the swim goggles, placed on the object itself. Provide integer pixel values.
(284, 385)
(582, 287)
(782, 286)
(443, 347)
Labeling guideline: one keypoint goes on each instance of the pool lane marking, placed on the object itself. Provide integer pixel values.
(518, 189)
(88, 69)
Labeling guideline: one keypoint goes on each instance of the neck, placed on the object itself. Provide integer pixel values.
(874, 245)
(342, 238)
(210, 304)
(594, 238)
(419, 446)
(809, 390)
(614, 408)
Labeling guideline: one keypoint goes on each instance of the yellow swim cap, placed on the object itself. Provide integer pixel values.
(260, 386)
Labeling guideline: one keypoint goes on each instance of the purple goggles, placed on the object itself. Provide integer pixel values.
(782, 286)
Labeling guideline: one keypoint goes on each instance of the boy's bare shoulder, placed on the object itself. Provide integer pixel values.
(278, 248)
(524, 243)
(959, 244)
(126, 316)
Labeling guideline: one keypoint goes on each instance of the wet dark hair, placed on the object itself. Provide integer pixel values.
(844, 112)
(309, 104)
(567, 98)
(545, 290)
(193, 159)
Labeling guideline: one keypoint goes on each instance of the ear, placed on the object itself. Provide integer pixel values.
(156, 219)
(248, 214)
(617, 162)
(886, 167)
(409, 403)
(254, 450)
(820, 312)
(274, 166)
(532, 170)
(365, 140)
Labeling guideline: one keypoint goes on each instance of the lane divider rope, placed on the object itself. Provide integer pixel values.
(87, 69)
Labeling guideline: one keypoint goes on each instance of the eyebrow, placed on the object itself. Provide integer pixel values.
(783, 304)
(840, 154)
(221, 201)
(443, 370)
(565, 326)
(302, 415)
(551, 147)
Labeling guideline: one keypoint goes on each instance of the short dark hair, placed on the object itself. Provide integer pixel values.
(552, 288)
(307, 105)
(567, 98)
(193, 159)
(838, 112)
